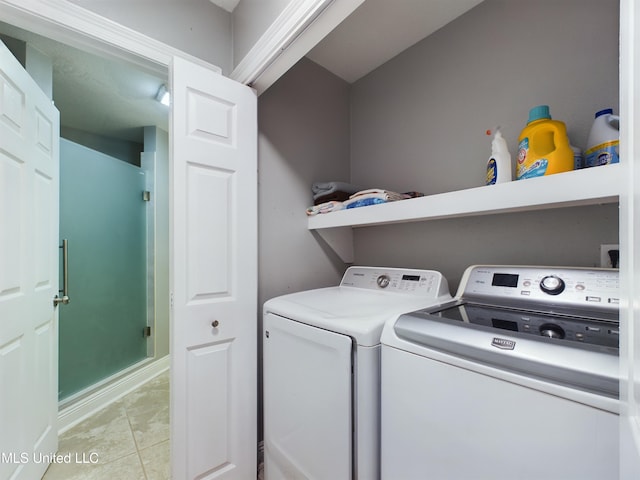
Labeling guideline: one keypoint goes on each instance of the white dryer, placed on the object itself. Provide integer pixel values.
(321, 365)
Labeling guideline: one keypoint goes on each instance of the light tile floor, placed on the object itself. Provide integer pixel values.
(128, 440)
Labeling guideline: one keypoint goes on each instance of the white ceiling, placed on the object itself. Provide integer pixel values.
(377, 31)
(114, 99)
(380, 29)
(99, 95)
(228, 5)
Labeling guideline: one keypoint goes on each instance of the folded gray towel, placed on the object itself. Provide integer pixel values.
(323, 188)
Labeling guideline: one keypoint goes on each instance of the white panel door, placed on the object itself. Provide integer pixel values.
(214, 275)
(29, 129)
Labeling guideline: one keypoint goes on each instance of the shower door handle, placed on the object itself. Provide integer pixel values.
(64, 299)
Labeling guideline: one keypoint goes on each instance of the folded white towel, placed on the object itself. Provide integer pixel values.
(377, 193)
(326, 207)
(371, 196)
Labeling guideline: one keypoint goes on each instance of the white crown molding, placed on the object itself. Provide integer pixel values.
(300, 26)
(76, 26)
(296, 15)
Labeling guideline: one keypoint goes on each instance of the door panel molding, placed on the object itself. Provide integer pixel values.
(214, 275)
(29, 177)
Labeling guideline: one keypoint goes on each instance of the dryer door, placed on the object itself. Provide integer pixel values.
(307, 401)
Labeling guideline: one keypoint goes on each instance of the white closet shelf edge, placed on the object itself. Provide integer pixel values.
(590, 186)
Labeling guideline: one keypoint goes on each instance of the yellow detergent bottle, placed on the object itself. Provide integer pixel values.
(543, 146)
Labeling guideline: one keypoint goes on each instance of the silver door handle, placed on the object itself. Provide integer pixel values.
(64, 299)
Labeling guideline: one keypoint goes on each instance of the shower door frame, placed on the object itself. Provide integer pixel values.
(94, 326)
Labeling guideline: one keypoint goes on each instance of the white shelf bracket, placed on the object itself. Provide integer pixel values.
(340, 239)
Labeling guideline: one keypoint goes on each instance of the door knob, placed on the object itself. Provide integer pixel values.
(215, 324)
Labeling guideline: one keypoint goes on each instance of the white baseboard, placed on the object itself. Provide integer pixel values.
(114, 388)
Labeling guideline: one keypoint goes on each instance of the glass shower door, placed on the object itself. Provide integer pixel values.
(102, 216)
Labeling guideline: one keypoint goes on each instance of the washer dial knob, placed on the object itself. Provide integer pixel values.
(552, 285)
(383, 281)
(551, 330)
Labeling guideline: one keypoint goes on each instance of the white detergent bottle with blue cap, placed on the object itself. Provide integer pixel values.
(604, 140)
(499, 164)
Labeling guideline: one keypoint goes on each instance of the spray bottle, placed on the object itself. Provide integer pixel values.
(499, 164)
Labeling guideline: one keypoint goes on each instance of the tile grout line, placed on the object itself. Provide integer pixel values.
(113, 460)
(135, 442)
(137, 446)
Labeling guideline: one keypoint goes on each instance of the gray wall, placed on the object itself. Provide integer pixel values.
(303, 122)
(570, 236)
(419, 121)
(304, 137)
(197, 27)
(121, 149)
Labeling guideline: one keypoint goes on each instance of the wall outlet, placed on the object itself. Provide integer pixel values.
(605, 259)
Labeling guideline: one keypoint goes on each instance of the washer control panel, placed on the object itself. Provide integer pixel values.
(427, 283)
(597, 288)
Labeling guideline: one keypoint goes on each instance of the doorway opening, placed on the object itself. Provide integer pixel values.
(115, 135)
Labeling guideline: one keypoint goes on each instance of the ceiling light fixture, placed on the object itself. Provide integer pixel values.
(163, 95)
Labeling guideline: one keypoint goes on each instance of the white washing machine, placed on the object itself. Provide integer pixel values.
(516, 377)
(321, 367)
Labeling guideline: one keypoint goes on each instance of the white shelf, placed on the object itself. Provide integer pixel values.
(590, 186)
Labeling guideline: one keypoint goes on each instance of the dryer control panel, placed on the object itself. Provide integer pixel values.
(572, 287)
(426, 283)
